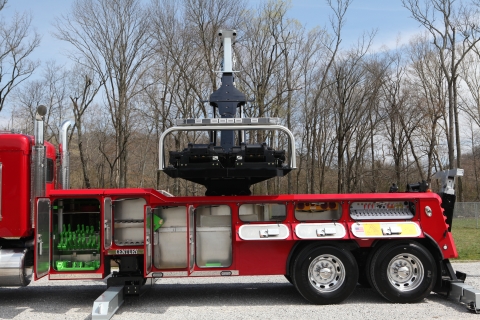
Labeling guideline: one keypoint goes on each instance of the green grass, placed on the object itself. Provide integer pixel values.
(467, 238)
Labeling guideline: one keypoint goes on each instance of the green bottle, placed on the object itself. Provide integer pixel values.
(68, 241)
(59, 246)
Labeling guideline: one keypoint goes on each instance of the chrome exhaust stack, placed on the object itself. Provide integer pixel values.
(65, 156)
(38, 165)
(64, 178)
(39, 127)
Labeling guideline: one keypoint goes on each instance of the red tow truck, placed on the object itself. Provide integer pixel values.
(398, 243)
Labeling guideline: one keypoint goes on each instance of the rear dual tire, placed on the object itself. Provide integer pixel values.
(403, 272)
(325, 274)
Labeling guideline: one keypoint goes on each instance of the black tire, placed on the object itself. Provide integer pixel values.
(403, 272)
(325, 275)
(364, 278)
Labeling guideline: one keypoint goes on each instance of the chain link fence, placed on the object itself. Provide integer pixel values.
(466, 214)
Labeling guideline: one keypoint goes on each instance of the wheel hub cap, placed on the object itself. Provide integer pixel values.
(405, 272)
(326, 273)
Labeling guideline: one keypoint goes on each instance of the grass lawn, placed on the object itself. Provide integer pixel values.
(467, 238)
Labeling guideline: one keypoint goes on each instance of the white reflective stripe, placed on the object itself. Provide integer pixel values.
(320, 230)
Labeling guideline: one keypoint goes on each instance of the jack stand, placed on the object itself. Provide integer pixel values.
(108, 303)
(465, 294)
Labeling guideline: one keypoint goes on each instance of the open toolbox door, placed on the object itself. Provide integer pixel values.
(148, 236)
(191, 238)
(42, 237)
(107, 225)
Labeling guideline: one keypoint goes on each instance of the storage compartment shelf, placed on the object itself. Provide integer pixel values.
(78, 251)
(80, 212)
(213, 237)
(67, 265)
(128, 222)
(170, 241)
(76, 235)
(172, 229)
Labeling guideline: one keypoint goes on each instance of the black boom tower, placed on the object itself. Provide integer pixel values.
(232, 166)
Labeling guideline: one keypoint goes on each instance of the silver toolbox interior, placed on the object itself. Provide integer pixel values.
(213, 236)
(170, 241)
(128, 221)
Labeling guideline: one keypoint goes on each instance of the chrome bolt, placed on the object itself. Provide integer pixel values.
(428, 211)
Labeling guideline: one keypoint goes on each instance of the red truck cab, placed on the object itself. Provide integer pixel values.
(16, 183)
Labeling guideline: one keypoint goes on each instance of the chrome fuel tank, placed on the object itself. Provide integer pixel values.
(16, 266)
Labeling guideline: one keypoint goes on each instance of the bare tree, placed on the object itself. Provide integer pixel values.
(113, 38)
(49, 89)
(83, 88)
(454, 30)
(332, 46)
(349, 96)
(25, 101)
(428, 98)
(17, 42)
(470, 74)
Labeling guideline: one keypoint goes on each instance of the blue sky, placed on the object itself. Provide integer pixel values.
(388, 17)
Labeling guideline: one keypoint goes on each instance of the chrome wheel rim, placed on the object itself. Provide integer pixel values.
(405, 272)
(326, 273)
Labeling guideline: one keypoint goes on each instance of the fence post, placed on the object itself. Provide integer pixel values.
(476, 214)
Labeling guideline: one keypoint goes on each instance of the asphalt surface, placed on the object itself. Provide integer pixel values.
(261, 297)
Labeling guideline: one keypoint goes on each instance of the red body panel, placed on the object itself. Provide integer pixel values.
(262, 257)
(15, 153)
(269, 257)
(15, 156)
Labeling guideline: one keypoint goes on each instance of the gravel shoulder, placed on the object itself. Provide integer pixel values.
(267, 297)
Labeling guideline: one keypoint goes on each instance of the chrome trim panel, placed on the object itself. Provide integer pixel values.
(174, 274)
(38, 177)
